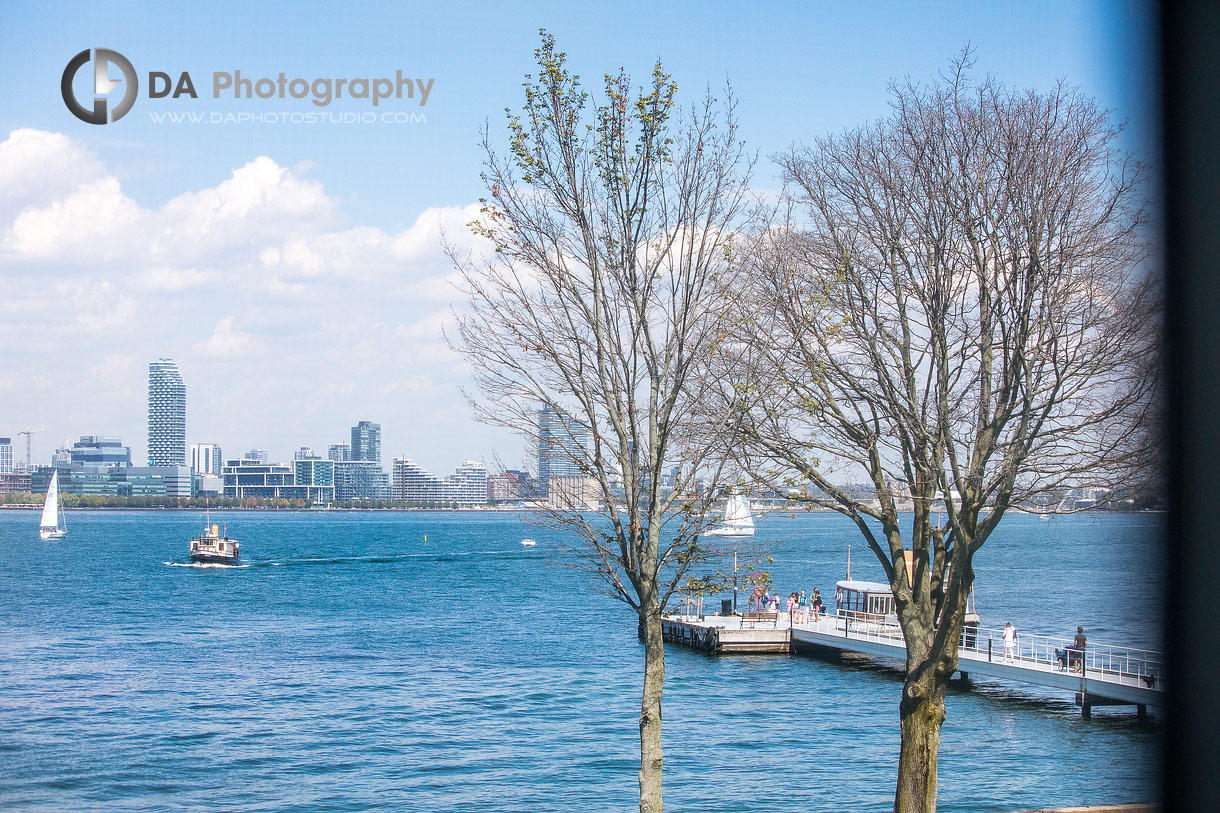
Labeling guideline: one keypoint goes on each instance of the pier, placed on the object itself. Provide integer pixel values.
(1102, 675)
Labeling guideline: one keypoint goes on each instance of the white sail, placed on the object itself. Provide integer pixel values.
(737, 512)
(51, 505)
(738, 521)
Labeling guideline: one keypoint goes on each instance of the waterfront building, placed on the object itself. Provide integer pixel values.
(252, 477)
(469, 483)
(255, 478)
(466, 486)
(366, 441)
(6, 455)
(564, 445)
(573, 492)
(99, 450)
(209, 485)
(166, 414)
(360, 480)
(510, 486)
(206, 459)
(414, 483)
(15, 482)
(116, 481)
(317, 475)
(169, 481)
(339, 452)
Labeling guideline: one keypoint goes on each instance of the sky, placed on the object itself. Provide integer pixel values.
(294, 268)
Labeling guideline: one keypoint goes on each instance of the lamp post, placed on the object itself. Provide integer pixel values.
(734, 581)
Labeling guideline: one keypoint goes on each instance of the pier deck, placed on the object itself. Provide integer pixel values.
(1109, 675)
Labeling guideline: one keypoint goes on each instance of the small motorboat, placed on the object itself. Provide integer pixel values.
(529, 543)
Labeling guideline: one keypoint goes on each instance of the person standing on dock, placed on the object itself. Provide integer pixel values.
(1078, 645)
(817, 603)
(1010, 641)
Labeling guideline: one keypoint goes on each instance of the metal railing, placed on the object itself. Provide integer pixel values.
(1115, 664)
(1127, 666)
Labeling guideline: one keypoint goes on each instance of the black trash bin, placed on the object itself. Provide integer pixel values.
(726, 606)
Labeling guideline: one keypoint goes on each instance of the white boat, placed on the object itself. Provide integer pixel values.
(53, 525)
(863, 599)
(213, 547)
(529, 543)
(738, 521)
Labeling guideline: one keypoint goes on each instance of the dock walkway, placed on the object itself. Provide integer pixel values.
(1107, 675)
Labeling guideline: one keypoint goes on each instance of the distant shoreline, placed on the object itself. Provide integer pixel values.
(31, 507)
(478, 510)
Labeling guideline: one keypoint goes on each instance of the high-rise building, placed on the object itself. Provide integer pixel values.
(206, 459)
(6, 455)
(304, 453)
(339, 452)
(366, 441)
(563, 446)
(258, 456)
(166, 414)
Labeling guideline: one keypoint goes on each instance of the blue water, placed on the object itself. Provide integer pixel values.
(349, 664)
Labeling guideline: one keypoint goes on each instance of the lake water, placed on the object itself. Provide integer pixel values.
(429, 661)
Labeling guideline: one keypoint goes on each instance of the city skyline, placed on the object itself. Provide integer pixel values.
(297, 275)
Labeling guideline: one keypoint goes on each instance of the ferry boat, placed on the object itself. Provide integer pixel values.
(874, 602)
(211, 547)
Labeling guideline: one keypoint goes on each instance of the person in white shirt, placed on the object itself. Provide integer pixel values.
(1010, 641)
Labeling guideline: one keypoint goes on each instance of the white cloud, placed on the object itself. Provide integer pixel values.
(254, 285)
(114, 366)
(37, 167)
(225, 342)
(96, 223)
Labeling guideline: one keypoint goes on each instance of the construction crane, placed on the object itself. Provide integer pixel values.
(28, 432)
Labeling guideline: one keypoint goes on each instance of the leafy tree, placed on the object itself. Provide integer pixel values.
(605, 298)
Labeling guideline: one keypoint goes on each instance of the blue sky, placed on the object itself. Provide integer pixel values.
(294, 270)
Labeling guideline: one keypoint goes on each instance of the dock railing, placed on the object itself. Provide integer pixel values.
(1117, 664)
(1123, 665)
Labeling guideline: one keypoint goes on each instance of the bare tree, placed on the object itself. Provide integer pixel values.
(604, 302)
(964, 315)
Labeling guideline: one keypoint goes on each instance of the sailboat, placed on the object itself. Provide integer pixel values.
(53, 525)
(738, 521)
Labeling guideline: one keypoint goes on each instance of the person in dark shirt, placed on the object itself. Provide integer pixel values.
(1078, 645)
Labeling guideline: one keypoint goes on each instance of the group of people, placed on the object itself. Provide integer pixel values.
(801, 607)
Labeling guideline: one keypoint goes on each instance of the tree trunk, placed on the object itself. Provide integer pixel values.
(921, 712)
(650, 711)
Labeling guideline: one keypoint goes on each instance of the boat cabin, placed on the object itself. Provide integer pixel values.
(872, 600)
